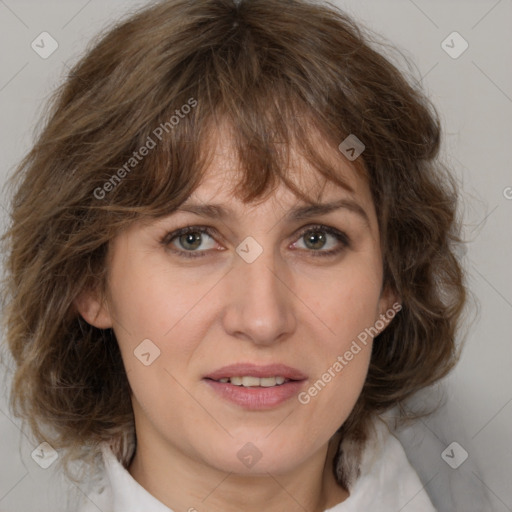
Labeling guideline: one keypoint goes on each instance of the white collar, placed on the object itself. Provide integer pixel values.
(387, 483)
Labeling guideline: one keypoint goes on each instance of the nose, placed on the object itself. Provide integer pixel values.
(260, 304)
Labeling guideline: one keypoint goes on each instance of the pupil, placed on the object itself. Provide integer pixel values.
(314, 239)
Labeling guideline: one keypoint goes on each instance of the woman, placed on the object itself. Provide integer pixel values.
(231, 252)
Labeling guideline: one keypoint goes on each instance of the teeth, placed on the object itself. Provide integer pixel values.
(249, 381)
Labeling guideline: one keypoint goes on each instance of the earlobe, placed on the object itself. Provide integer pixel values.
(92, 310)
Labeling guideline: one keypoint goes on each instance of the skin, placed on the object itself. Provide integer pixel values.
(287, 306)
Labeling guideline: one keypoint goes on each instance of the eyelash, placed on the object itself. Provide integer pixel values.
(340, 236)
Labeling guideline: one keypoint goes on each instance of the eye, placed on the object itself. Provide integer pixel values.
(186, 240)
(316, 240)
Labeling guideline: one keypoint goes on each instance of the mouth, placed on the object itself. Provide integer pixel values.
(256, 387)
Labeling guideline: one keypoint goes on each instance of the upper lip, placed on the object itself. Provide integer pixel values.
(253, 370)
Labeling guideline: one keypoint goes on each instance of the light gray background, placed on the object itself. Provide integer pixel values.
(474, 96)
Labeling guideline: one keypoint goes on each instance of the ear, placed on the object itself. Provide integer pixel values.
(93, 310)
(389, 306)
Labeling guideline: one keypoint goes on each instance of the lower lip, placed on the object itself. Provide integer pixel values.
(256, 398)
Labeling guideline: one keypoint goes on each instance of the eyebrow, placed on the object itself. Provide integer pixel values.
(217, 211)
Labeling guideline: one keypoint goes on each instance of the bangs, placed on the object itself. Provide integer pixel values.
(262, 134)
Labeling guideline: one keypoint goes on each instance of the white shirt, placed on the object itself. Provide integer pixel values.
(387, 483)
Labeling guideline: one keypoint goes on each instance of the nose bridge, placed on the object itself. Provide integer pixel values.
(259, 305)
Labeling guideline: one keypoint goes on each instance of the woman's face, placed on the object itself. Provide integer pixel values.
(281, 291)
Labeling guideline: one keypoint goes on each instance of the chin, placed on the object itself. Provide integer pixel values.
(258, 457)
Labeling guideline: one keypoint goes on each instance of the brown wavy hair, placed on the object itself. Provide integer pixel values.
(276, 71)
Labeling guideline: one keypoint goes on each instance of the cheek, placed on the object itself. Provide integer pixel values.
(345, 305)
(158, 326)
(170, 308)
(343, 361)
(150, 298)
(344, 299)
